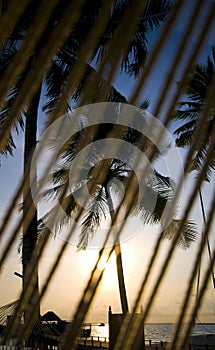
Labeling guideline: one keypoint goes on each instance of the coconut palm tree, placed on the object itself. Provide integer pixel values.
(190, 110)
(153, 15)
(144, 196)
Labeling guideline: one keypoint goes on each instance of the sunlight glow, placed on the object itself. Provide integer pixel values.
(102, 263)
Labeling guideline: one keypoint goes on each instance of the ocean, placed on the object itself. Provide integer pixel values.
(157, 331)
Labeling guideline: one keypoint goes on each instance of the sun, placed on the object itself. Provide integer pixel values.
(110, 281)
(88, 260)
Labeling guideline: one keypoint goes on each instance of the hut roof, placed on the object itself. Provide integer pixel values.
(51, 316)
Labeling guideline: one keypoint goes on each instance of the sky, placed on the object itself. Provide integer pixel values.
(71, 277)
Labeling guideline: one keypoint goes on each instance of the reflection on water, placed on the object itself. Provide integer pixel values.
(157, 331)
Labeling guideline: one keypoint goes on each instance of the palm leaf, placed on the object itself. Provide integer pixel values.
(93, 217)
(187, 235)
(156, 12)
(52, 193)
(59, 219)
(192, 109)
(18, 124)
(133, 59)
(6, 55)
(157, 191)
(185, 139)
(144, 104)
(189, 126)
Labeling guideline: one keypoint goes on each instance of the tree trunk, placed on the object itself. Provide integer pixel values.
(119, 266)
(121, 281)
(30, 228)
(207, 239)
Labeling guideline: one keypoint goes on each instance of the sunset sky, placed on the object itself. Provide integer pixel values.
(137, 246)
(71, 277)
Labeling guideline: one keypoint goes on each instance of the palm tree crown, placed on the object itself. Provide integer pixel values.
(57, 72)
(98, 177)
(192, 108)
(132, 59)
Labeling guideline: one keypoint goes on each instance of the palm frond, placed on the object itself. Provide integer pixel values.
(6, 56)
(8, 147)
(186, 236)
(112, 94)
(58, 73)
(41, 226)
(18, 124)
(144, 104)
(188, 110)
(162, 182)
(134, 58)
(96, 212)
(192, 109)
(60, 175)
(199, 160)
(185, 139)
(52, 193)
(57, 219)
(156, 12)
(157, 192)
(188, 126)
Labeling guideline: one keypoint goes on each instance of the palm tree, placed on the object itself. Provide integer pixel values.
(132, 60)
(28, 122)
(191, 109)
(145, 196)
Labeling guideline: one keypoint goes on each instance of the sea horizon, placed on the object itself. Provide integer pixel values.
(156, 331)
